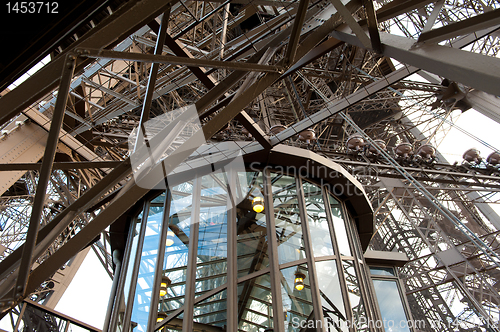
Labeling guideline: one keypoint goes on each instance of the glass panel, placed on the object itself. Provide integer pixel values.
(252, 229)
(287, 219)
(355, 298)
(136, 228)
(339, 226)
(211, 266)
(316, 217)
(391, 306)
(382, 271)
(211, 312)
(145, 278)
(331, 295)
(176, 249)
(297, 303)
(255, 305)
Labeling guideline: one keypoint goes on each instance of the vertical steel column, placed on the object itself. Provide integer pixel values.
(135, 270)
(187, 321)
(338, 260)
(121, 283)
(225, 17)
(20, 317)
(117, 259)
(311, 267)
(155, 296)
(43, 180)
(278, 318)
(232, 256)
(367, 294)
(153, 73)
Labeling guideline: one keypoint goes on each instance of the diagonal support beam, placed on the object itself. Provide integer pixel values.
(339, 105)
(45, 172)
(254, 129)
(110, 92)
(463, 27)
(128, 20)
(295, 35)
(49, 232)
(434, 15)
(475, 70)
(146, 106)
(366, 91)
(397, 7)
(132, 193)
(351, 22)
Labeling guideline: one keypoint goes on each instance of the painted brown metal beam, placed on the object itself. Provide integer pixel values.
(463, 27)
(397, 7)
(119, 26)
(49, 232)
(146, 105)
(45, 173)
(60, 165)
(131, 193)
(178, 60)
(295, 35)
(254, 129)
(351, 22)
(475, 70)
(373, 26)
(129, 196)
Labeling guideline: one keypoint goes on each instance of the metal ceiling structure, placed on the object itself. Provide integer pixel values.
(261, 73)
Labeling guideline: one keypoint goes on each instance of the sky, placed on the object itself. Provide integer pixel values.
(456, 143)
(86, 298)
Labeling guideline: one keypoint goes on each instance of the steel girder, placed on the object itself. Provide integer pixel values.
(366, 86)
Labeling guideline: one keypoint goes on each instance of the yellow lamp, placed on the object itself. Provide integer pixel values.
(258, 204)
(299, 280)
(161, 316)
(170, 238)
(165, 282)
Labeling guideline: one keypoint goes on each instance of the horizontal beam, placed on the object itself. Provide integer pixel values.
(397, 7)
(59, 165)
(475, 70)
(460, 28)
(109, 33)
(169, 59)
(373, 25)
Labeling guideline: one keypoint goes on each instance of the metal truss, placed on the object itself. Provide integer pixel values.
(250, 67)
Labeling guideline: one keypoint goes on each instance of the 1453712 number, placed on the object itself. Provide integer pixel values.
(32, 7)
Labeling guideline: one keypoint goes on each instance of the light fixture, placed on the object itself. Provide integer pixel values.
(170, 238)
(258, 204)
(161, 316)
(165, 282)
(299, 280)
